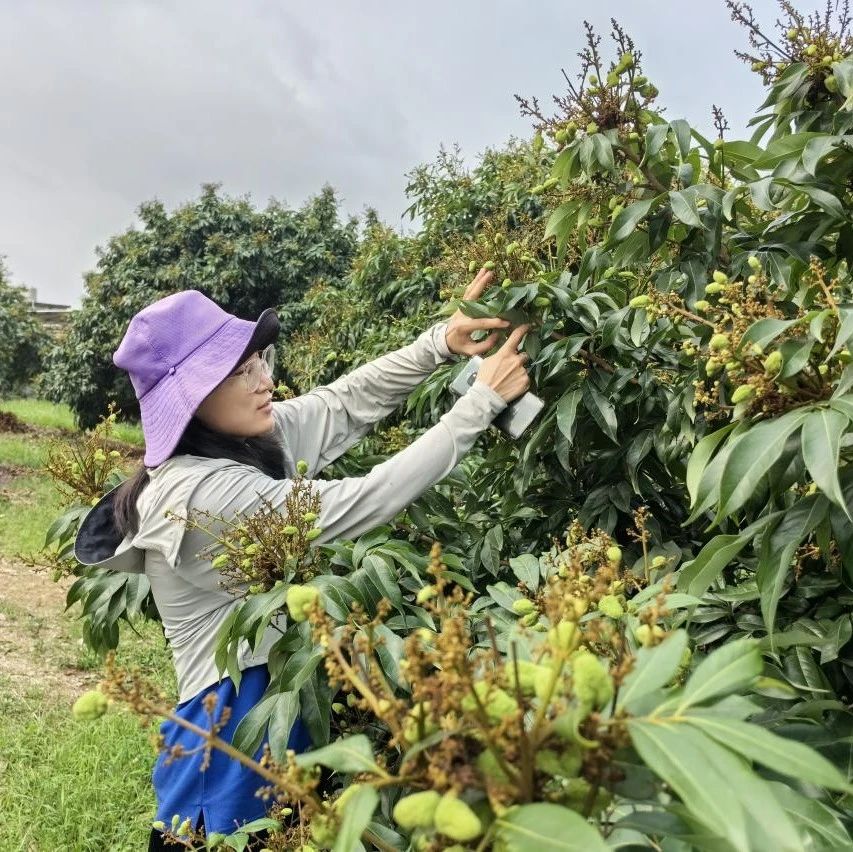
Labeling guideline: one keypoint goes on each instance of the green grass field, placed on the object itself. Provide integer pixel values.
(64, 784)
(39, 412)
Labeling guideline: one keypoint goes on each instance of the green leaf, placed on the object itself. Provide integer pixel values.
(816, 149)
(315, 703)
(700, 456)
(782, 755)
(566, 410)
(684, 208)
(777, 550)
(795, 354)
(545, 827)
(682, 761)
(823, 199)
(627, 220)
(696, 576)
(784, 148)
(370, 539)
(752, 457)
(764, 331)
(526, 568)
(821, 442)
(351, 754)
(561, 223)
(818, 821)
(845, 331)
(731, 667)
(357, 813)
(602, 411)
(653, 668)
(250, 732)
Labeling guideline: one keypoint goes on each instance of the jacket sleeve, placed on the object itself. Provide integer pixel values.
(351, 506)
(321, 425)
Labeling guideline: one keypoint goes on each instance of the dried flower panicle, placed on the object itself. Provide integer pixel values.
(84, 467)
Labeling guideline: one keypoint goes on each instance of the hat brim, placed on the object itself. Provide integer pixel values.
(168, 407)
(266, 331)
(98, 542)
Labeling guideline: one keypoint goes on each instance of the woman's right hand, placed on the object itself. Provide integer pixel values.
(504, 371)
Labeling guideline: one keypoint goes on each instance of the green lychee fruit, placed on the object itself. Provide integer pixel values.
(831, 83)
(773, 363)
(713, 288)
(497, 702)
(639, 301)
(592, 683)
(614, 554)
(720, 277)
(299, 601)
(701, 305)
(591, 128)
(455, 819)
(527, 672)
(563, 635)
(523, 606)
(90, 705)
(754, 262)
(611, 607)
(718, 341)
(742, 393)
(313, 533)
(425, 594)
(417, 810)
(302, 467)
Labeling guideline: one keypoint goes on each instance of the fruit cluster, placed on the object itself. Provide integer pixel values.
(268, 548)
(739, 375)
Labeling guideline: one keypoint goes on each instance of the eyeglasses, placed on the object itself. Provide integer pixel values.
(257, 368)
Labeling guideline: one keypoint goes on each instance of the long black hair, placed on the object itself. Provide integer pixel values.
(263, 452)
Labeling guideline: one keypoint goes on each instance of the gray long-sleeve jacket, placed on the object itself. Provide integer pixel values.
(317, 427)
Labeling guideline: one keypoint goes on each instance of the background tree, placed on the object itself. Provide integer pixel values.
(22, 338)
(243, 258)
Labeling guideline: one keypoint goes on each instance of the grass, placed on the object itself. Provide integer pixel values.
(71, 785)
(75, 785)
(64, 784)
(28, 505)
(40, 412)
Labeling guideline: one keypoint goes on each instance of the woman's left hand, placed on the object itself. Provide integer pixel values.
(460, 327)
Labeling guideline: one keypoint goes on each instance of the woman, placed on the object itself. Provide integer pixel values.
(215, 442)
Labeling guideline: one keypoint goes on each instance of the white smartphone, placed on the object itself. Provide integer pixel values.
(516, 417)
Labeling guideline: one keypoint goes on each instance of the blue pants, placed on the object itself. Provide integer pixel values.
(224, 794)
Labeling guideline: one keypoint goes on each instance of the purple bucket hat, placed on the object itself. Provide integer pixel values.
(177, 350)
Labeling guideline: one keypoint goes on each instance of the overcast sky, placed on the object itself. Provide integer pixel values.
(106, 104)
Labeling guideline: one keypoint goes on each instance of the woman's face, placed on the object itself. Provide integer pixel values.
(231, 408)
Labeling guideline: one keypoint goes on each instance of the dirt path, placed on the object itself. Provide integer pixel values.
(37, 648)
